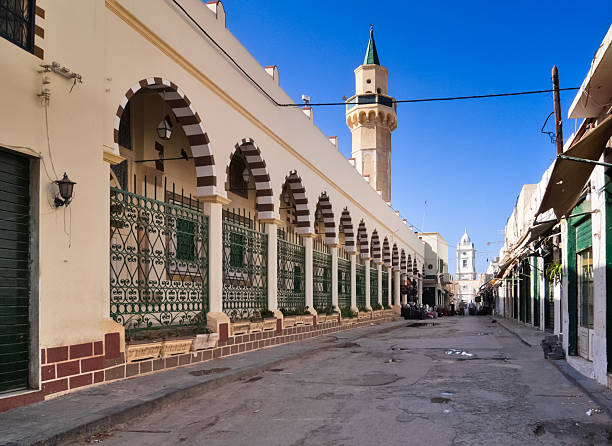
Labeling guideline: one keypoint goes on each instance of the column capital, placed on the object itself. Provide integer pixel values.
(220, 199)
(271, 221)
(308, 235)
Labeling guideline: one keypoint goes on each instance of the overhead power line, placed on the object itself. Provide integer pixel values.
(451, 98)
(323, 104)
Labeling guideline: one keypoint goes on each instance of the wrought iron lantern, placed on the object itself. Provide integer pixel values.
(246, 175)
(65, 187)
(164, 128)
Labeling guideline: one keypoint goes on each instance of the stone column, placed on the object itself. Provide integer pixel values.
(367, 284)
(354, 281)
(420, 291)
(216, 320)
(396, 291)
(271, 230)
(379, 267)
(308, 273)
(334, 275)
(389, 287)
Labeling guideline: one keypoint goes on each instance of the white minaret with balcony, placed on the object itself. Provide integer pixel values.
(466, 258)
(371, 117)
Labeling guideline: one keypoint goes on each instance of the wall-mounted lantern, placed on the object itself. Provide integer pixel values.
(164, 128)
(65, 187)
(246, 175)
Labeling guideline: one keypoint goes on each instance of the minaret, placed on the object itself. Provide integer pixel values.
(371, 117)
(466, 258)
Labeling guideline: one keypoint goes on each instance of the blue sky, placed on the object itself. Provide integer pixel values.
(468, 159)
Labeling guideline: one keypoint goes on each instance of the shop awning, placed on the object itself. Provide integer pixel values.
(568, 176)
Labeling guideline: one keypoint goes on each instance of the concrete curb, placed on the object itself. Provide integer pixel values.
(140, 406)
(511, 331)
(602, 396)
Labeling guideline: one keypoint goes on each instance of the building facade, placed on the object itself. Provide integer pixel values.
(436, 279)
(553, 272)
(200, 204)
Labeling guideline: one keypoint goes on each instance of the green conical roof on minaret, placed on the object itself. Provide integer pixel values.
(371, 55)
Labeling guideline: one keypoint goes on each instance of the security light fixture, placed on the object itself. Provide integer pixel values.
(65, 187)
(164, 128)
(286, 196)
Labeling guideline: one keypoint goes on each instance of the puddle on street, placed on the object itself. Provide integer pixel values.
(456, 352)
(208, 371)
(422, 324)
(440, 400)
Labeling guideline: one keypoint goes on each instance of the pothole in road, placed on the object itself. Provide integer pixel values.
(440, 400)
(276, 370)
(422, 324)
(204, 372)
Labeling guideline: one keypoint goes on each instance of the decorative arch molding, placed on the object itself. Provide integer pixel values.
(395, 257)
(362, 236)
(415, 268)
(302, 214)
(403, 261)
(375, 246)
(189, 119)
(264, 198)
(409, 264)
(386, 252)
(346, 225)
(328, 219)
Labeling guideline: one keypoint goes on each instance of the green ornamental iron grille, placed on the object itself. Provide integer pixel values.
(385, 286)
(158, 262)
(344, 282)
(360, 285)
(291, 269)
(373, 284)
(321, 279)
(245, 268)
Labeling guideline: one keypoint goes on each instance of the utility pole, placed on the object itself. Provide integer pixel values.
(558, 117)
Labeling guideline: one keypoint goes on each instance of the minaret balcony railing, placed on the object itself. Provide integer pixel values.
(367, 99)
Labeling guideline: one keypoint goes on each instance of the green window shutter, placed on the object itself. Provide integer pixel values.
(14, 271)
(584, 237)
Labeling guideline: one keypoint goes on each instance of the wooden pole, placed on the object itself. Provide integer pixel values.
(558, 117)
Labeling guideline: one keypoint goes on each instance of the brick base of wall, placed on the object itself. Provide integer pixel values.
(70, 367)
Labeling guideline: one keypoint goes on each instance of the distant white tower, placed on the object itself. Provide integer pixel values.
(466, 258)
(466, 270)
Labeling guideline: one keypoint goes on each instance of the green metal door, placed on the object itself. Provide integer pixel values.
(14, 271)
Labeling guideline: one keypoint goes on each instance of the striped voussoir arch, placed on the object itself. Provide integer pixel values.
(362, 236)
(328, 219)
(346, 226)
(395, 257)
(409, 265)
(190, 121)
(302, 214)
(375, 246)
(386, 252)
(263, 186)
(403, 262)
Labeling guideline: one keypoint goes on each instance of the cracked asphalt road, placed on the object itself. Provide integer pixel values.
(394, 387)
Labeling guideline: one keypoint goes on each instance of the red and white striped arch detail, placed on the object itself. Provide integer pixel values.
(386, 251)
(346, 226)
(189, 119)
(302, 214)
(329, 222)
(395, 260)
(362, 236)
(375, 246)
(263, 186)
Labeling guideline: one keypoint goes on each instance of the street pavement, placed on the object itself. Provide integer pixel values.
(451, 381)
